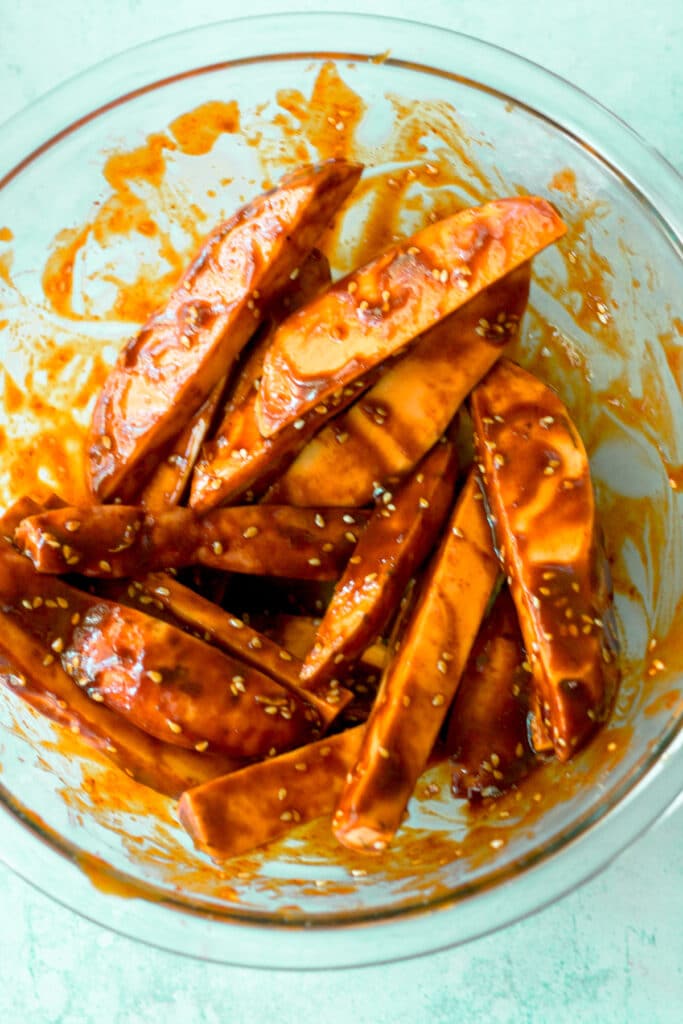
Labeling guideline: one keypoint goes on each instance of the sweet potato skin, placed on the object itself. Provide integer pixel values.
(389, 429)
(397, 539)
(538, 486)
(379, 309)
(421, 680)
(173, 364)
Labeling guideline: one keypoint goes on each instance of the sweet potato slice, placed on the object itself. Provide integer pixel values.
(25, 668)
(387, 431)
(539, 489)
(421, 680)
(396, 541)
(169, 684)
(165, 373)
(487, 727)
(234, 636)
(254, 806)
(112, 541)
(377, 310)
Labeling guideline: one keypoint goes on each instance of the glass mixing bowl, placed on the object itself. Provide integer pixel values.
(441, 120)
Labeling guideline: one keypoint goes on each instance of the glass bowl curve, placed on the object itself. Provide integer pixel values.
(130, 867)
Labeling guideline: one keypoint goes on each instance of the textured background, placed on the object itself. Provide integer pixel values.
(611, 952)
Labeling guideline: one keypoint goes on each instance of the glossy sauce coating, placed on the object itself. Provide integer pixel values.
(165, 373)
(388, 429)
(380, 308)
(110, 541)
(421, 680)
(487, 738)
(537, 482)
(399, 536)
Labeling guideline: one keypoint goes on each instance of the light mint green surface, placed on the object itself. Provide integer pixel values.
(610, 953)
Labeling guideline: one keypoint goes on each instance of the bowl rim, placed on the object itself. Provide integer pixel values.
(407, 932)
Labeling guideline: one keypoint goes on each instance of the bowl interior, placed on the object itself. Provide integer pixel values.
(93, 231)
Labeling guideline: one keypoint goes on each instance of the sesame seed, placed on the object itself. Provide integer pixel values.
(496, 844)
(370, 577)
(239, 682)
(286, 816)
(383, 752)
(104, 565)
(57, 645)
(546, 421)
(72, 525)
(319, 520)
(217, 547)
(325, 751)
(611, 746)
(48, 659)
(105, 441)
(236, 623)
(96, 696)
(201, 746)
(251, 531)
(314, 561)
(342, 438)
(442, 667)
(423, 503)
(255, 643)
(284, 655)
(438, 700)
(75, 619)
(299, 424)
(519, 750)
(301, 766)
(155, 676)
(163, 592)
(349, 520)
(320, 409)
(281, 793)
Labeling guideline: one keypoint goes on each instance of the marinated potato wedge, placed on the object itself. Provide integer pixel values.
(539, 490)
(420, 682)
(234, 636)
(165, 373)
(387, 431)
(396, 541)
(26, 670)
(487, 727)
(252, 807)
(111, 541)
(167, 683)
(377, 310)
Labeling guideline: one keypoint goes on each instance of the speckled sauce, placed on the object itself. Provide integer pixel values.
(69, 301)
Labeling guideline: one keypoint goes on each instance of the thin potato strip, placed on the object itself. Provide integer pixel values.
(396, 541)
(265, 801)
(538, 485)
(387, 431)
(165, 373)
(111, 541)
(421, 680)
(487, 737)
(379, 309)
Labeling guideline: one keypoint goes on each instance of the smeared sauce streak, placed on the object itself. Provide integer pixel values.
(424, 168)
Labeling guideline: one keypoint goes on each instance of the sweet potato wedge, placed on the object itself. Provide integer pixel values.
(379, 309)
(396, 541)
(387, 431)
(234, 636)
(25, 668)
(165, 373)
(166, 682)
(421, 679)
(487, 737)
(265, 801)
(112, 541)
(539, 489)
